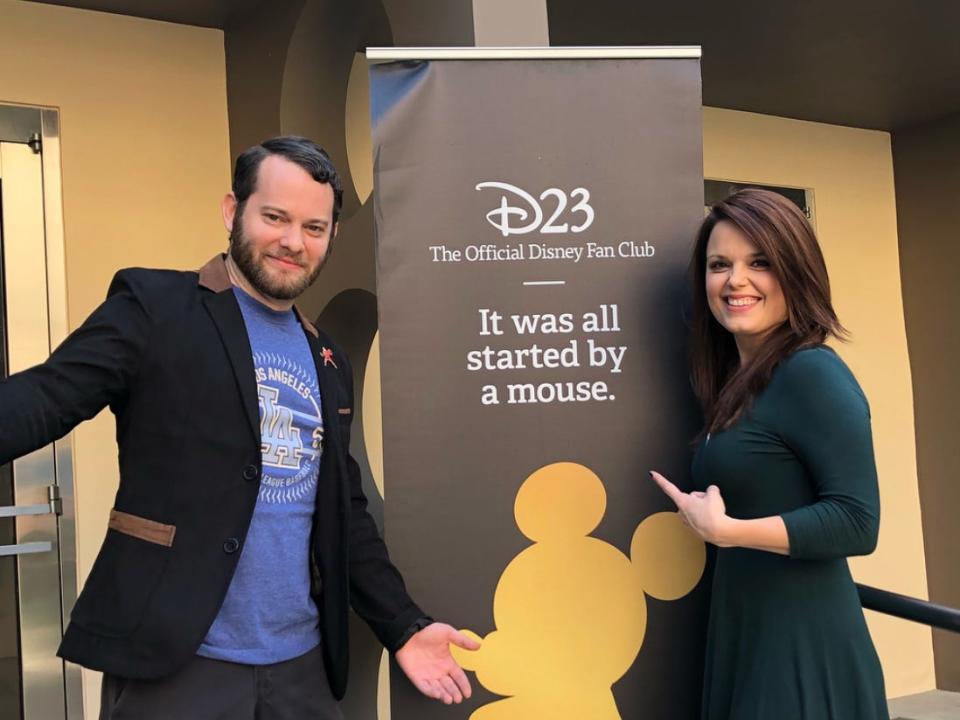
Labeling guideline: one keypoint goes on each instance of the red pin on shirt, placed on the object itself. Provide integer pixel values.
(327, 357)
(327, 354)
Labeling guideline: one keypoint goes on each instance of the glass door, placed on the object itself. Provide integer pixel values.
(37, 566)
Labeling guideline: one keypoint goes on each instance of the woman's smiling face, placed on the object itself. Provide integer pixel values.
(743, 292)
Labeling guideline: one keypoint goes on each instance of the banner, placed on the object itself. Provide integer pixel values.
(534, 219)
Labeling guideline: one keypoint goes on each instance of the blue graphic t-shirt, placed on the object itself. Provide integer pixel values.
(268, 615)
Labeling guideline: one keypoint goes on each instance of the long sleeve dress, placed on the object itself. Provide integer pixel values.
(787, 639)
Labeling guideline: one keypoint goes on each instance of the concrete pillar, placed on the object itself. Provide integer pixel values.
(510, 23)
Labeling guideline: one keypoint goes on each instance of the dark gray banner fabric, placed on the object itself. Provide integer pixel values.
(534, 219)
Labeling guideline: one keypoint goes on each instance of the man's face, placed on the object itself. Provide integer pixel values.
(281, 238)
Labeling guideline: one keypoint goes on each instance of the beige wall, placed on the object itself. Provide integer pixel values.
(145, 155)
(851, 174)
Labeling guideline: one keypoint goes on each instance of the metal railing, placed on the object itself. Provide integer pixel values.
(909, 608)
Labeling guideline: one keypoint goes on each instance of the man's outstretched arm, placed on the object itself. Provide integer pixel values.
(420, 645)
(88, 371)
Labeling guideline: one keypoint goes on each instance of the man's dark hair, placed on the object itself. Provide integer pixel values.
(300, 150)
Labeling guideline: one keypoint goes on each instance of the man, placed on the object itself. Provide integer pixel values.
(240, 533)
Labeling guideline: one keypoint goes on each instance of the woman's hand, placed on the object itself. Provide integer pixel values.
(705, 513)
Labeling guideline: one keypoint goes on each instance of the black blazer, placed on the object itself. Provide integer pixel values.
(169, 353)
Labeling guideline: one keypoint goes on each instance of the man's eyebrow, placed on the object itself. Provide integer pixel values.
(280, 211)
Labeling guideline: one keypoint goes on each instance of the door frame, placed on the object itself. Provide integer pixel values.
(52, 688)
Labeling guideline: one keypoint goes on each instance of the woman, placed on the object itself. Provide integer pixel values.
(784, 476)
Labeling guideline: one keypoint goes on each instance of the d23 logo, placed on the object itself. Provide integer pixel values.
(530, 211)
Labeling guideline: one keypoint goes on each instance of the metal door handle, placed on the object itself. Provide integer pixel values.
(18, 510)
(25, 548)
(53, 505)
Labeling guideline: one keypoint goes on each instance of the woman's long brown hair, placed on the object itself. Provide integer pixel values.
(782, 233)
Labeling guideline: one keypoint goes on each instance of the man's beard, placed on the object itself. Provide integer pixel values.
(242, 252)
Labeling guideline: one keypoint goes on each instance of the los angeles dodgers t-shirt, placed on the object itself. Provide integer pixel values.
(268, 615)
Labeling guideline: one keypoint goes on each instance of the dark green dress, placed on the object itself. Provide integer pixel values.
(787, 638)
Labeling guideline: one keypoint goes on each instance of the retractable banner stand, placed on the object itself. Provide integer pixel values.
(535, 210)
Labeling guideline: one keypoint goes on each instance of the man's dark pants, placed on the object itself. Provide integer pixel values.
(206, 689)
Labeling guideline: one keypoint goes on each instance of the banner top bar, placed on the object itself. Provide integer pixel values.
(531, 53)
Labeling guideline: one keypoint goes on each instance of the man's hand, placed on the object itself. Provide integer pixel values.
(704, 513)
(426, 660)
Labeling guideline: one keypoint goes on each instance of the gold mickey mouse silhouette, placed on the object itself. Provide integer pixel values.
(570, 610)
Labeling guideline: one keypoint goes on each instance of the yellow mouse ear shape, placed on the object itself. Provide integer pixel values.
(667, 555)
(561, 500)
(467, 659)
